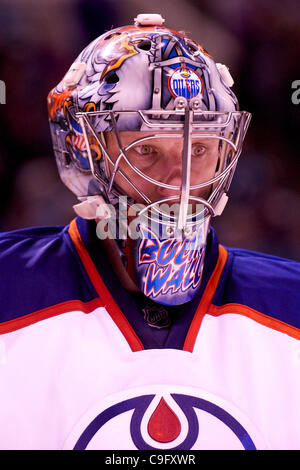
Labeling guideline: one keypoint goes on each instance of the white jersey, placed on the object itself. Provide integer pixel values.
(76, 375)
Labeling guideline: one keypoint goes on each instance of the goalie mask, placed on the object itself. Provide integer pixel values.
(145, 124)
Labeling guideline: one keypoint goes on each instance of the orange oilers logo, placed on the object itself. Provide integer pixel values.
(185, 82)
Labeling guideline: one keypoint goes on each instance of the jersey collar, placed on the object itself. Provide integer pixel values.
(183, 333)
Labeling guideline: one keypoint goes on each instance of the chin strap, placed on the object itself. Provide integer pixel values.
(92, 207)
(221, 205)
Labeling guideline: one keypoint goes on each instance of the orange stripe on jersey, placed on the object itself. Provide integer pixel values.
(255, 315)
(48, 312)
(111, 306)
(205, 300)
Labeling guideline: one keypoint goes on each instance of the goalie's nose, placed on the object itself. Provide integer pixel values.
(171, 172)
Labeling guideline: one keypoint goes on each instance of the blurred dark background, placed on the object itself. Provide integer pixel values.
(259, 41)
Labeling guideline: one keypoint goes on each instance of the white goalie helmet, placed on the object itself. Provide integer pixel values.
(135, 100)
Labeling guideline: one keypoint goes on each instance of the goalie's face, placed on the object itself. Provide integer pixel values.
(149, 156)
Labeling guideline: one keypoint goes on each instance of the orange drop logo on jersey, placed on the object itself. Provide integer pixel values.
(164, 421)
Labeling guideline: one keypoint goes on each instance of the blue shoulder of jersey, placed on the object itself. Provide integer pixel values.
(265, 283)
(39, 270)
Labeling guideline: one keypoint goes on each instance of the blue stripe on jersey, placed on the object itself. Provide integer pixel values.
(39, 270)
(266, 283)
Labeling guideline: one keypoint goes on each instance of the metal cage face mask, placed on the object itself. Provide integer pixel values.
(195, 176)
(130, 96)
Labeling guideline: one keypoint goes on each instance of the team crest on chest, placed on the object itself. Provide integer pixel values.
(169, 418)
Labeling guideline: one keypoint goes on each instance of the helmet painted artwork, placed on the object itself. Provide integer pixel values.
(146, 77)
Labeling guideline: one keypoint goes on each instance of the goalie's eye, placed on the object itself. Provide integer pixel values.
(145, 149)
(198, 150)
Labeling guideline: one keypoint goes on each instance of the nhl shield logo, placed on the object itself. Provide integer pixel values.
(185, 82)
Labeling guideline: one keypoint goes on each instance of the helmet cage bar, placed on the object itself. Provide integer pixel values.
(196, 215)
(208, 208)
(155, 136)
(95, 172)
(166, 112)
(224, 177)
(175, 124)
(174, 61)
(124, 149)
(122, 153)
(186, 168)
(191, 219)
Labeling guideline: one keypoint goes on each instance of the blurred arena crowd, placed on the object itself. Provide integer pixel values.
(259, 41)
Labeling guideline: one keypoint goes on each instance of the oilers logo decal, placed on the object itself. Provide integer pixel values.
(185, 82)
(180, 419)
